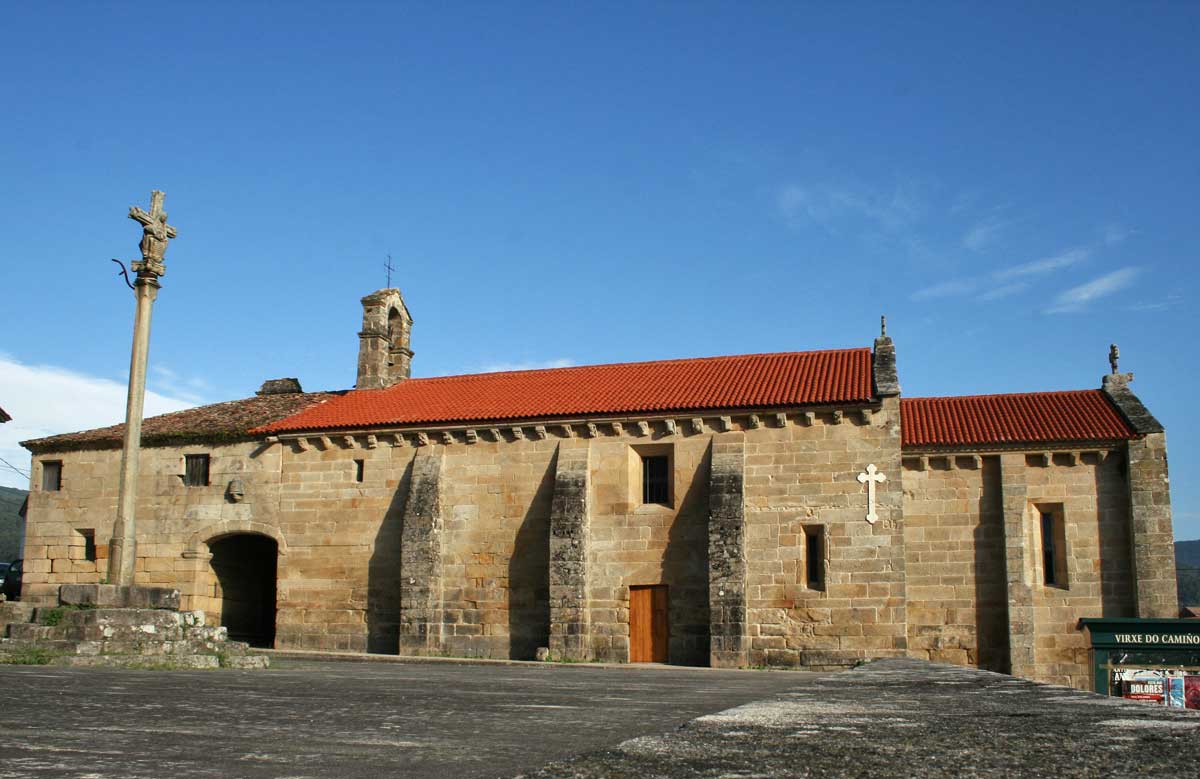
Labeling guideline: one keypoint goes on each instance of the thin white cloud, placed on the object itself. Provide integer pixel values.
(1062, 260)
(946, 289)
(983, 234)
(192, 389)
(47, 400)
(1076, 298)
(498, 367)
(1170, 301)
(1004, 291)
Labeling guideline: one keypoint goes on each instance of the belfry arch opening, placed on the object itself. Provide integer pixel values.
(245, 567)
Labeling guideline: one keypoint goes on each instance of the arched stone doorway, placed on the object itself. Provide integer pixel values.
(244, 566)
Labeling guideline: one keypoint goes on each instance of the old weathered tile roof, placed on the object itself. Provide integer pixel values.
(1038, 417)
(742, 381)
(218, 422)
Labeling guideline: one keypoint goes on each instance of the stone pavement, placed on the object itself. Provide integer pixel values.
(449, 720)
(911, 718)
(345, 719)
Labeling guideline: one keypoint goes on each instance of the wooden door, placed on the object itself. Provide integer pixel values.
(648, 624)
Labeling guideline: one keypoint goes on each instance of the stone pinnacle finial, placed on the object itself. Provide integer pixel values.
(883, 326)
(1114, 354)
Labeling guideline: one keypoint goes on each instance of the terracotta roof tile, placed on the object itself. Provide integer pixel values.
(742, 381)
(231, 420)
(1080, 415)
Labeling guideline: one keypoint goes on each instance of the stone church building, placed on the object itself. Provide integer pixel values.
(768, 509)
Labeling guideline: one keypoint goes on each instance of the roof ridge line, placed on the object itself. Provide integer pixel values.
(1001, 395)
(632, 362)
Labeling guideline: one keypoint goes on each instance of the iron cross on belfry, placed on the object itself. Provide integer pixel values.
(870, 478)
(390, 268)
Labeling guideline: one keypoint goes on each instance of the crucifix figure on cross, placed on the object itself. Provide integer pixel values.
(155, 235)
(870, 478)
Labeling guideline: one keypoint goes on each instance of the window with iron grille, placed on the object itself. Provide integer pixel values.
(656, 480)
(195, 471)
(51, 475)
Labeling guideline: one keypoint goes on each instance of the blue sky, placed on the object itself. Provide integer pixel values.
(1015, 187)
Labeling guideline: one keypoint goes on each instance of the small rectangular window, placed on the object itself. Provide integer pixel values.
(1054, 548)
(89, 543)
(195, 472)
(656, 485)
(359, 467)
(51, 475)
(814, 557)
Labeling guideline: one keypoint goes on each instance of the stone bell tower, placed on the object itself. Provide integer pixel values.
(384, 356)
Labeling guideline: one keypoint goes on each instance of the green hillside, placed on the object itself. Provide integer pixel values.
(10, 523)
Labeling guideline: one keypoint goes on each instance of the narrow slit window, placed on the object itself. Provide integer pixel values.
(51, 475)
(1054, 548)
(195, 473)
(814, 557)
(89, 544)
(359, 469)
(656, 486)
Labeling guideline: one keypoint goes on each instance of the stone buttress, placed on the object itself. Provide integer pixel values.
(421, 558)
(727, 552)
(569, 530)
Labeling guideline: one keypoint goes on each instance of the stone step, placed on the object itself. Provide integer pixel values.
(113, 596)
(14, 611)
(31, 631)
(14, 646)
(146, 633)
(139, 661)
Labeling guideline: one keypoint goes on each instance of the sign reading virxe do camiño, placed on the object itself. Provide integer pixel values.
(1182, 639)
(1151, 660)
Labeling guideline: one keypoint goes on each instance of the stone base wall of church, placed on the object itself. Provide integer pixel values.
(954, 545)
(1094, 498)
(637, 544)
(805, 476)
(966, 607)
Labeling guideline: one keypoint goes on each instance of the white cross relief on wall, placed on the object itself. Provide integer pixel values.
(870, 478)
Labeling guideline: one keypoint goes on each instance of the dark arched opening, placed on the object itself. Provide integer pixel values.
(245, 568)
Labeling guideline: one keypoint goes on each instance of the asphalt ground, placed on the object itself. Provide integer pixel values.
(907, 718)
(346, 719)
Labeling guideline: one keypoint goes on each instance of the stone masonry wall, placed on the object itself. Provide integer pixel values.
(805, 474)
(976, 584)
(1094, 498)
(954, 545)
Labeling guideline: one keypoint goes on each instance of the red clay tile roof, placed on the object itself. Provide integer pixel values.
(1080, 415)
(227, 421)
(742, 381)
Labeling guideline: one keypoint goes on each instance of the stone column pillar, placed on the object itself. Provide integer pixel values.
(122, 557)
(570, 618)
(728, 633)
(1150, 531)
(1017, 566)
(421, 611)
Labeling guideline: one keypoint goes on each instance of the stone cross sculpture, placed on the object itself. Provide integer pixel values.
(870, 478)
(155, 235)
(1114, 354)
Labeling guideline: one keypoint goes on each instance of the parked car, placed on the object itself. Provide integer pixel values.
(12, 581)
(3, 571)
